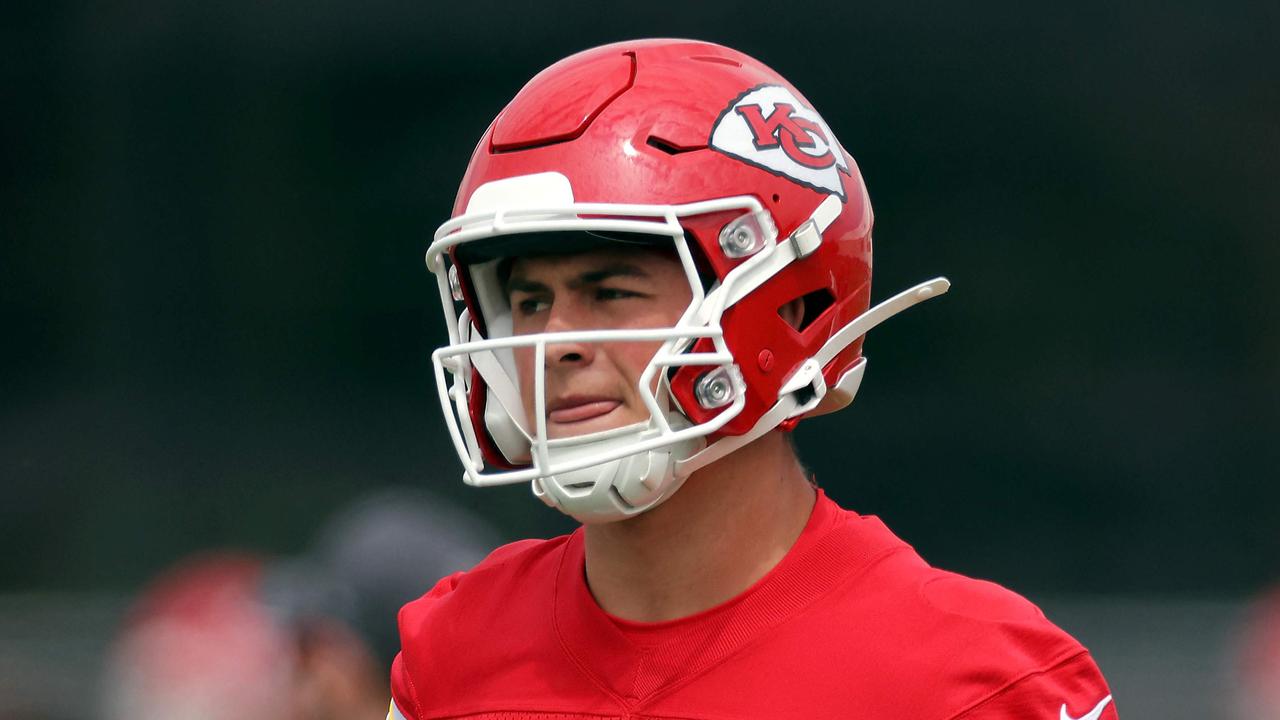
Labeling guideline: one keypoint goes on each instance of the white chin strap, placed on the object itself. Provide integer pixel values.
(616, 489)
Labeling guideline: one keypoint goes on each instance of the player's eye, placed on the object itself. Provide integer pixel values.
(615, 293)
(532, 305)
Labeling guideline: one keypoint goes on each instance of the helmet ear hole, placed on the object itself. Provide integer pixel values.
(802, 312)
(792, 313)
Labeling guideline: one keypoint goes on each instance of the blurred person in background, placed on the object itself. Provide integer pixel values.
(198, 644)
(1257, 671)
(312, 637)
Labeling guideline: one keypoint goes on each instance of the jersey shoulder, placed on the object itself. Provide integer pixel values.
(967, 622)
(959, 642)
(970, 600)
(447, 636)
(484, 592)
(1025, 666)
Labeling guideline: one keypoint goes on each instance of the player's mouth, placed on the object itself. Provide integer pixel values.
(579, 409)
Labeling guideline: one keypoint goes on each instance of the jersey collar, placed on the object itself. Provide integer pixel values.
(636, 662)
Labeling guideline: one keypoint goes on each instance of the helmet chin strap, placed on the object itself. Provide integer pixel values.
(806, 389)
(620, 488)
(616, 489)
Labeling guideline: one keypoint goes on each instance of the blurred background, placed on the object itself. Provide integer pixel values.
(217, 322)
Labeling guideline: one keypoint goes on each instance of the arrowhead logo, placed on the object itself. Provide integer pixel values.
(770, 128)
(1093, 714)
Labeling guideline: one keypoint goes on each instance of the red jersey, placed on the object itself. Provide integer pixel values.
(851, 624)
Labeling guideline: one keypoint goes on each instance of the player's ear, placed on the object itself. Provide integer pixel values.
(792, 313)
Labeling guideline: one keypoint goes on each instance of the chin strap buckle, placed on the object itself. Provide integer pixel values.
(807, 387)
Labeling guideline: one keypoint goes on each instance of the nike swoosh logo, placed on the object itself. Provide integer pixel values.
(1093, 714)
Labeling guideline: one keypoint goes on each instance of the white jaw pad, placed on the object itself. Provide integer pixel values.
(504, 416)
(505, 430)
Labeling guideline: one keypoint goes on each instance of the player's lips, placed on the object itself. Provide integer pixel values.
(579, 409)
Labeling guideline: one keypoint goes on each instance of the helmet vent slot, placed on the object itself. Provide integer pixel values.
(671, 148)
(715, 59)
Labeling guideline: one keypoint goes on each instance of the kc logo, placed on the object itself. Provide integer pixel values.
(793, 134)
(770, 128)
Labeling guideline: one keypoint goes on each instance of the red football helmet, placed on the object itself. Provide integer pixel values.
(670, 141)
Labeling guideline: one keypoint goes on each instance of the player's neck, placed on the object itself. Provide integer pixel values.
(731, 523)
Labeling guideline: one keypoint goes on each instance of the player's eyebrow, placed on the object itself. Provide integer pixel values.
(599, 275)
(594, 276)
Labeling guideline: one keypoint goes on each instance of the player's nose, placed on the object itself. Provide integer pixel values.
(562, 353)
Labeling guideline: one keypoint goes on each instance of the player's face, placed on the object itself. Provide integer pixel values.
(593, 386)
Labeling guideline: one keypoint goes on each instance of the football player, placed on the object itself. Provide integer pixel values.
(659, 261)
